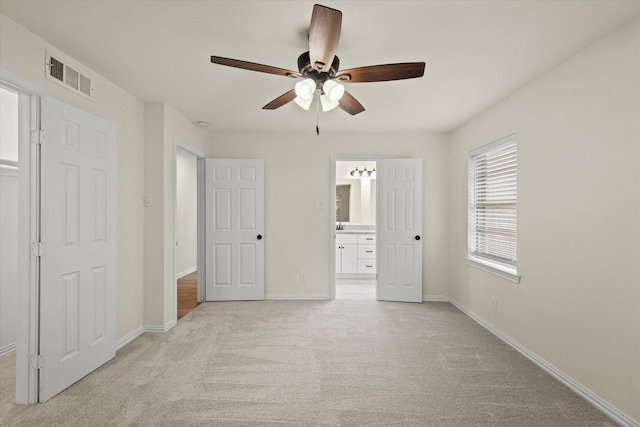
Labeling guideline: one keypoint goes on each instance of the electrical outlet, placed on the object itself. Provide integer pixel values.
(494, 303)
(302, 276)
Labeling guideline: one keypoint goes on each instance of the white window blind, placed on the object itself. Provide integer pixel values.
(493, 185)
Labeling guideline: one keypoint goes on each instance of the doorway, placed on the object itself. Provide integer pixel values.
(21, 102)
(354, 227)
(9, 100)
(187, 232)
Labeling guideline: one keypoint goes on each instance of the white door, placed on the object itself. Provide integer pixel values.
(235, 229)
(78, 266)
(400, 230)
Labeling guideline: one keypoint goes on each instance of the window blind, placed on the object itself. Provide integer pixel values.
(493, 186)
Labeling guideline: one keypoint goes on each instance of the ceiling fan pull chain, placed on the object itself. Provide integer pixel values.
(318, 115)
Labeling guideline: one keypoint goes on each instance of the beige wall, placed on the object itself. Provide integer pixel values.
(187, 213)
(297, 173)
(163, 127)
(578, 304)
(23, 53)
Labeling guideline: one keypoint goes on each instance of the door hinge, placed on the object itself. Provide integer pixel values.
(36, 362)
(37, 249)
(37, 136)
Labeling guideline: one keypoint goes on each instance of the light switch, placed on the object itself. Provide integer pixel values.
(319, 204)
(148, 199)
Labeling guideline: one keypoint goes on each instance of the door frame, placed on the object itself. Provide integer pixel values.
(189, 151)
(27, 334)
(332, 212)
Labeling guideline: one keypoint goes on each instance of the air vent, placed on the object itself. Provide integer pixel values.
(56, 69)
(71, 77)
(60, 71)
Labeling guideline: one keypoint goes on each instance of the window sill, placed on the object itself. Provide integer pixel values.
(493, 268)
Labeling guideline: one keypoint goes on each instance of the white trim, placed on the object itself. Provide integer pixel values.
(129, 337)
(492, 268)
(8, 348)
(298, 297)
(186, 272)
(435, 298)
(156, 328)
(20, 83)
(509, 139)
(604, 406)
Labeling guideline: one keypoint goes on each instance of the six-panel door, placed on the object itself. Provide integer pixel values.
(78, 262)
(400, 230)
(234, 229)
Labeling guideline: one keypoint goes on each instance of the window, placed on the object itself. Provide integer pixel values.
(493, 185)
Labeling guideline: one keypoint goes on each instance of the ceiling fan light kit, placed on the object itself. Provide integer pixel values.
(319, 67)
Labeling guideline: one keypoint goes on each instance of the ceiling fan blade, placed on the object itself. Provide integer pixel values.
(281, 100)
(382, 73)
(324, 34)
(349, 104)
(252, 66)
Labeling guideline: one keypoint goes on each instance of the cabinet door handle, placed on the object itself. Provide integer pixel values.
(259, 236)
(417, 237)
(369, 252)
(369, 266)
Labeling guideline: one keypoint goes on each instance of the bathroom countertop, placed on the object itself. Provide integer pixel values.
(355, 231)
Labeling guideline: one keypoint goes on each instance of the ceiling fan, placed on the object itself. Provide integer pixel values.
(319, 68)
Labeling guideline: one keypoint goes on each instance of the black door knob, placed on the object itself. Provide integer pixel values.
(417, 237)
(259, 236)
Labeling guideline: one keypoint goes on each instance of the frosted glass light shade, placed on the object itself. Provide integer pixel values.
(327, 104)
(304, 89)
(333, 90)
(305, 104)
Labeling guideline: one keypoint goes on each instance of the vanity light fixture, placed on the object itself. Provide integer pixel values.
(364, 173)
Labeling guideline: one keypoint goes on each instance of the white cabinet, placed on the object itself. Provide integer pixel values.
(356, 255)
(346, 254)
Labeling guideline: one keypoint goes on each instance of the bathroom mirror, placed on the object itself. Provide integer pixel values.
(355, 196)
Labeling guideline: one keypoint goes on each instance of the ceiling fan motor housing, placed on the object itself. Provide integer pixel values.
(307, 70)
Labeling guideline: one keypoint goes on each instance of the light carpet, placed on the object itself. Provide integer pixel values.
(350, 362)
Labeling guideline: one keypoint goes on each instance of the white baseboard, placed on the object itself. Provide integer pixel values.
(604, 406)
(186, 272)
(7, 348)
(435, 298)
(129, 337)
(298, 297)
(141, 330)
(156, 328)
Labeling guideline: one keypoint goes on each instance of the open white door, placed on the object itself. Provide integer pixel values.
(235, 228)
(400, 230)
(78, 250)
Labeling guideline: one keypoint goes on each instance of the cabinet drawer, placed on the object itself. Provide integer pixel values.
(366, 266)
(366, 239)
(346, 238)
(367, 251)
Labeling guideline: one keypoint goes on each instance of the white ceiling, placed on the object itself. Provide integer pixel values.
(476, 53)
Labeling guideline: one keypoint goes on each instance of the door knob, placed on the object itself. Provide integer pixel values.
(259, 236)
(417, 237)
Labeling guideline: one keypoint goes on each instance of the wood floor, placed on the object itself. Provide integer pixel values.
(187, 294)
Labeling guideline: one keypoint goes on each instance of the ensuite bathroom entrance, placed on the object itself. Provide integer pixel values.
(355, 229)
